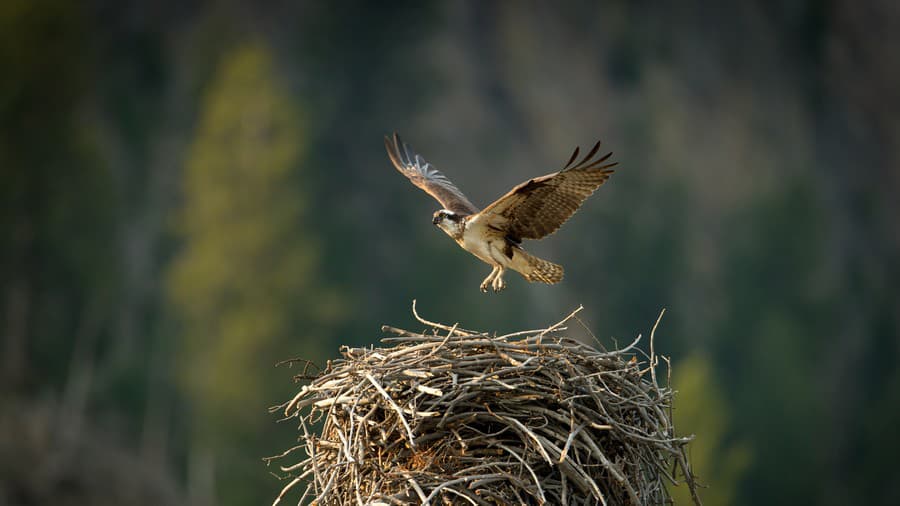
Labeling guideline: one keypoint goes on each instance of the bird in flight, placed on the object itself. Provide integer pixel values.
(531, 210)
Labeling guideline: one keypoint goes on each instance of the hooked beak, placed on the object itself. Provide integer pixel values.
(436, 219)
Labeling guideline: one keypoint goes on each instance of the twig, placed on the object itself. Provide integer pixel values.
(653, 359)
(463, 417)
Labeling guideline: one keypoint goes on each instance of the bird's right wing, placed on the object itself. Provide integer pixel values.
(426, 177)
(539, 206)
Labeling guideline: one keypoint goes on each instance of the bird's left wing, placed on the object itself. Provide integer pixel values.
(426, 177)
(539, 206)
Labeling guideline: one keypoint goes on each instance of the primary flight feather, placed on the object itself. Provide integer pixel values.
(531, 210)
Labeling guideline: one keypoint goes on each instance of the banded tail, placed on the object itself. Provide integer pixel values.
(536, 269)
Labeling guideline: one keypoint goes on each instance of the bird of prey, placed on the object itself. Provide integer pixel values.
(531, 210)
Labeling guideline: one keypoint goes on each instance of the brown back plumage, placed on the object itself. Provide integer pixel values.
(538, 207)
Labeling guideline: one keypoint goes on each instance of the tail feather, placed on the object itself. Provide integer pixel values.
(539, 270)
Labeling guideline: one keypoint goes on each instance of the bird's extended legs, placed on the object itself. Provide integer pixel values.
(494, 280)
(489, 279)
(498, 283)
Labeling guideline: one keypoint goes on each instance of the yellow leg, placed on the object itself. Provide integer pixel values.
(498, 284)
(489, 279)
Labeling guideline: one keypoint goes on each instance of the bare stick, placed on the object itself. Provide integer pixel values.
(453, 416)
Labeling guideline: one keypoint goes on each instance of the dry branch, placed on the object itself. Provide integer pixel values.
(452, 416)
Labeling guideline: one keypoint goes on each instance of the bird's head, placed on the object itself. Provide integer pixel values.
(448, 221)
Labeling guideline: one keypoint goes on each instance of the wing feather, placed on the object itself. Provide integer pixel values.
(539, 206)
(572, 158)
(425, 176)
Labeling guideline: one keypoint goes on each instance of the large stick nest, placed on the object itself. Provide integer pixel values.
(451, 416)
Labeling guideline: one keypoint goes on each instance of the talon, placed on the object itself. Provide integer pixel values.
(489, 280)
(498, 285)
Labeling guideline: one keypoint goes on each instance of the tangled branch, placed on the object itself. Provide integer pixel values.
(453, 416)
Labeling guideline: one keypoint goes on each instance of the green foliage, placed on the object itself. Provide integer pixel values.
(244, 283)
(772, 357)
(57, 194)
(45, 57)
(701, 410)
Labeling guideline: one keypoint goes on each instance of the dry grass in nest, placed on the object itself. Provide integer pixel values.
(452, 416)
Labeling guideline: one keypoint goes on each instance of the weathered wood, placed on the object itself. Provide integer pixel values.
(453, 416)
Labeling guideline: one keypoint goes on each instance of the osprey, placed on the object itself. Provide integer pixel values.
(531, 210)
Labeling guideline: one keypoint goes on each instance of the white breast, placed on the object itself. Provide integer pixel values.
(483, 242)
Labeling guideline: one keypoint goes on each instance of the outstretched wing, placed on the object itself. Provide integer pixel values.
(538, 207)
(426, 177)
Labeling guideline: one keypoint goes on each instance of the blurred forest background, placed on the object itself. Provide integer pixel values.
(192, 191)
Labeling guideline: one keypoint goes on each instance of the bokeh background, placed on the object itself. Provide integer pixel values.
(192, 191)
